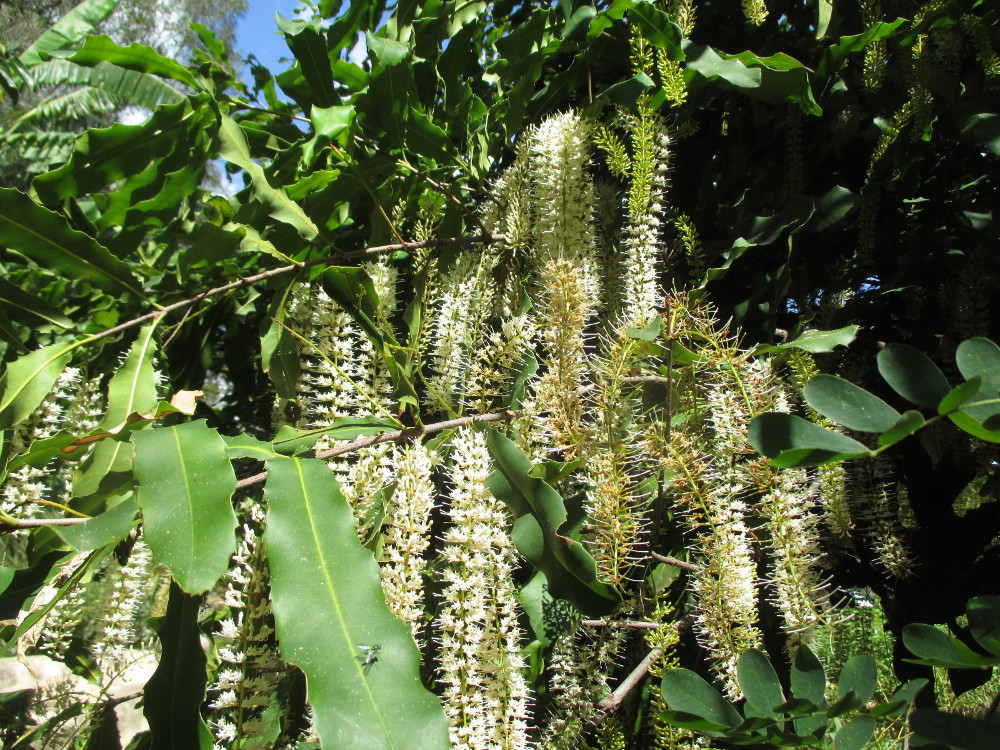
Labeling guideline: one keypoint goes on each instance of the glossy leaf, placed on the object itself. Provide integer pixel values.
(683, 690)
(937, 649)
(29, 379)
(984, 622)
(46, 238)
(955, 731)
(328, 601)
(185, 484)
(540, 514)
(99, 49)
(860, 676)
(913, 375)
(819, 342)
(235, 149)
(174, 694)
(28, 309)
(131, 391)
(133, 387)
(848, 405)
(109, 527)
(760, 684)
(155, 160)
(789, 440)
(69, 30)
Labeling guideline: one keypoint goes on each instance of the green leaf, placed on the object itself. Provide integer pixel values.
(789, 441)
(760, 684)
(854, 735)
(71, 582)
(819, 342)
(108, 528)
(29, 379)
(234, 148)
(539, 514)
(955, 731)
(808, 682)
(656, 27)
(835, 55)
(980, 357)
(937, 649)
(849, 405)
(328, 602)
(960, 394)
(860, 676)
(175, 692)
(913, 375)
(310, 49)
(775, 79)
(683, 690)
(331, 121)
(185, 484)
(387, 52)
(984, 622)
(46, 238)
(695, 723)
(69, 30)
(290, 440)
(909, 423)
(28, 309)
(247, 446)
(131, 391)
(133, 387)
(427, 139)
(141, 89)
(974, 427)
(99, 49)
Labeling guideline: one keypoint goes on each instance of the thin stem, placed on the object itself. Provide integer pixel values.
(329, 259)
(637, 624)
(363, 442)
(675, 562)
(397, 435)
(613, 701)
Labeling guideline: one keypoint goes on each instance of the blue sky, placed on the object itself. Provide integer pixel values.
(257, 32)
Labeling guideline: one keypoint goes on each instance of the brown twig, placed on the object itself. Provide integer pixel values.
(638, 624)
(669, 560)
(388, 437)
(635, 379)
(610, 703)
(327, 260)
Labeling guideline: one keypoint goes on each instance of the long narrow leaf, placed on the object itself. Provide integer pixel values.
(69, 30)
(539, 515)
(236, 150)
(99, 49)
(29, 379)
(330, 614)
(46, 238)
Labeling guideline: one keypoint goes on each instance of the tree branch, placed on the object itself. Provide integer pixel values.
(388, 437)
(363, 442)
(611, 702)
(669, 560)
(327, 260)
(638, 624)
